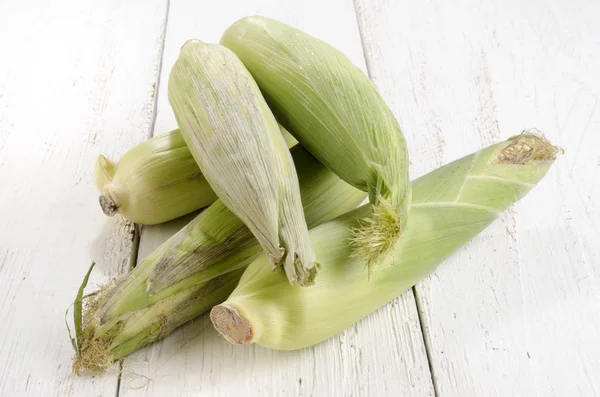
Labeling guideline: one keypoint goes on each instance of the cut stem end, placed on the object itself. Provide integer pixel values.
(108, 205)
(231, 325)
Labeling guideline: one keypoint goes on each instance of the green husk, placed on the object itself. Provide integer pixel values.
(195, 269)
(235, 140)
(334, 110)
(146, 182)
(451, 205)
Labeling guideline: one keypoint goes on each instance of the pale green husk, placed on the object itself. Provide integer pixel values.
(334, 110)
(194, 270)
(146, 182)
(235, 140)
(450, 206)
(156, 181)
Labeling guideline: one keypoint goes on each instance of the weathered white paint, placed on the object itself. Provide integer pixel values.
(515, 313)
(76, 79)
(382, 354)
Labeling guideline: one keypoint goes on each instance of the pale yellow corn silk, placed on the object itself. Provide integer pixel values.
(94, 353)
(377, 234)
(106, 339)
(529, 145)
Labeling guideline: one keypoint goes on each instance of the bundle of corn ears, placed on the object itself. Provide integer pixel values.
(231, 152)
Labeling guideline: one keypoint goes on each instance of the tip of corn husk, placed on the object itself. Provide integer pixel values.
(297, 271)
(190, 42)
(377, 234)
(300, 265)
(104, 171)
(527, 146)
(231, 325)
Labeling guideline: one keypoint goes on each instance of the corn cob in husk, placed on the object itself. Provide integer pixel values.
(194, 270)
(451, 205)
(235, 140)
(334, 110)
(156, 181)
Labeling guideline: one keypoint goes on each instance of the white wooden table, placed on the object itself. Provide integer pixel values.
(515, 313)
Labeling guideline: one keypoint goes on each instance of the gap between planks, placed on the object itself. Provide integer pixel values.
(413, 290)
(137, 231)
(427, 346)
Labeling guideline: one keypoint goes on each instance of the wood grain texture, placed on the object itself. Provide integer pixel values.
(380, 355)
(515, 313)
(76, 80)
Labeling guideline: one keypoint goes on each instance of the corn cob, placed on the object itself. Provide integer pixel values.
(334, 110)
(450, 206)
(156, 181)
(194, 270)
(234, 138)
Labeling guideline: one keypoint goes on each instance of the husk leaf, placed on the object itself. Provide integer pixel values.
(234, 138)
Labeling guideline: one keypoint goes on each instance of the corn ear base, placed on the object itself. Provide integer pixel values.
(335, 111)
(194, 270)
(451, 205)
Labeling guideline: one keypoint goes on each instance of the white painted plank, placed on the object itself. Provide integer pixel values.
(516, 313)
(382, 355)
(76, 79)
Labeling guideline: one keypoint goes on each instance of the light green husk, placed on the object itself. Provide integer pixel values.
(194, 270)
(235, 140)
(156, 181)
(334, 110)
(450, 206)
